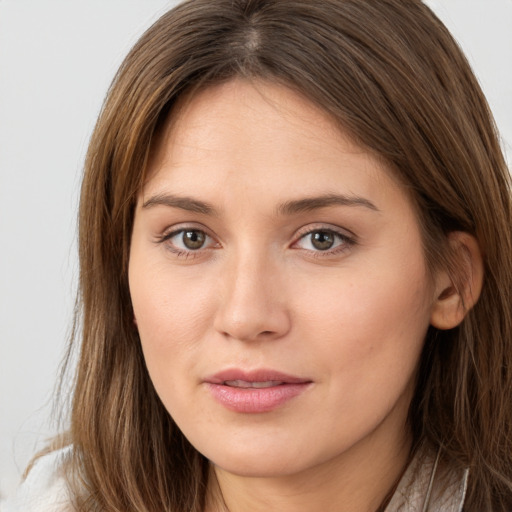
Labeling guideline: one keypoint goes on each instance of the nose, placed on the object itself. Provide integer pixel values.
(252, 300)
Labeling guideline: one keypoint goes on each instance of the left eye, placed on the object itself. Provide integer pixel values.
(321, 240)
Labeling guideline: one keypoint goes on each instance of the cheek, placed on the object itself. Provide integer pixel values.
(364, 320)
(167, 301)
(172, 315)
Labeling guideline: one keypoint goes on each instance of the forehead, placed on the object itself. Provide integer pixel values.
(244, 134)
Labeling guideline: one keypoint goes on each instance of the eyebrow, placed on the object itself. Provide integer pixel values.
(184, 203)
(288, 208)
(314, 203)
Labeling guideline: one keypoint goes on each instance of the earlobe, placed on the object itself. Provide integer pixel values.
(457, 292)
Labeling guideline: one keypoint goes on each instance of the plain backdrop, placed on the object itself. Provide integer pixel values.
(57, 58)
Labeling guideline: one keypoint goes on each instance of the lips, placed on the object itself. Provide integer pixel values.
(257, 385)
(255, 392)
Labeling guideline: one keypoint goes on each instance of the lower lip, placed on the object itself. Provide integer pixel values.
(255, 400)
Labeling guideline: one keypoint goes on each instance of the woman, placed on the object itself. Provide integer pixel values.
(295, 273)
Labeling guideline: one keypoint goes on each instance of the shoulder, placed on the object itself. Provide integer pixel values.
(45, 488)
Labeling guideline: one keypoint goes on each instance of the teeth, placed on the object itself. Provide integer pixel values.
(257, 385)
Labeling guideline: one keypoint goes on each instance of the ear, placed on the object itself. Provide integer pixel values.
(456, 294)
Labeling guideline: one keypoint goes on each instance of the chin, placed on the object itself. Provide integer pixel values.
(261, 467)
(262, 462)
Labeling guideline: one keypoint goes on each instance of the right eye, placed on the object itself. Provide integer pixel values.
(191, 239)
(185, 241)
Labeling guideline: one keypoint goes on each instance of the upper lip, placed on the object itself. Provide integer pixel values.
(260, 375)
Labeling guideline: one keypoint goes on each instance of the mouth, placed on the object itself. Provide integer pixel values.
(244, 384)
(255, 392)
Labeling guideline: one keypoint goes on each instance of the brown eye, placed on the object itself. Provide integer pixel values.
(327, 241)
(193, 239)
(188, 242)
(322, 240)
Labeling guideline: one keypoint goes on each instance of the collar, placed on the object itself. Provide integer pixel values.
(430, 484)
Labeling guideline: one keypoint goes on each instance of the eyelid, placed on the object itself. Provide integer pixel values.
(184, 226)
(311, 228)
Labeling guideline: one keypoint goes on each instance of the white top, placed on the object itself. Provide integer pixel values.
(423, 488)
(44, 489)
(428, 487)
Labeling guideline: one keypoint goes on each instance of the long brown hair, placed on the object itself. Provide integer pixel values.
(391, 75)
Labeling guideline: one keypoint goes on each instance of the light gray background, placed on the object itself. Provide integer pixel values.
(57, 58)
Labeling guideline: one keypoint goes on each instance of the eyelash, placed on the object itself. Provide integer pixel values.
(345, 242)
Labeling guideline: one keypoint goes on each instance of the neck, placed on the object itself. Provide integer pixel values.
(358, 481)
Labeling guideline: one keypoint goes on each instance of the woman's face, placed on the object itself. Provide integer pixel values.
(278, 283)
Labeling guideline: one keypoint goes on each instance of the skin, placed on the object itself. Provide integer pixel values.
(260, 294)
